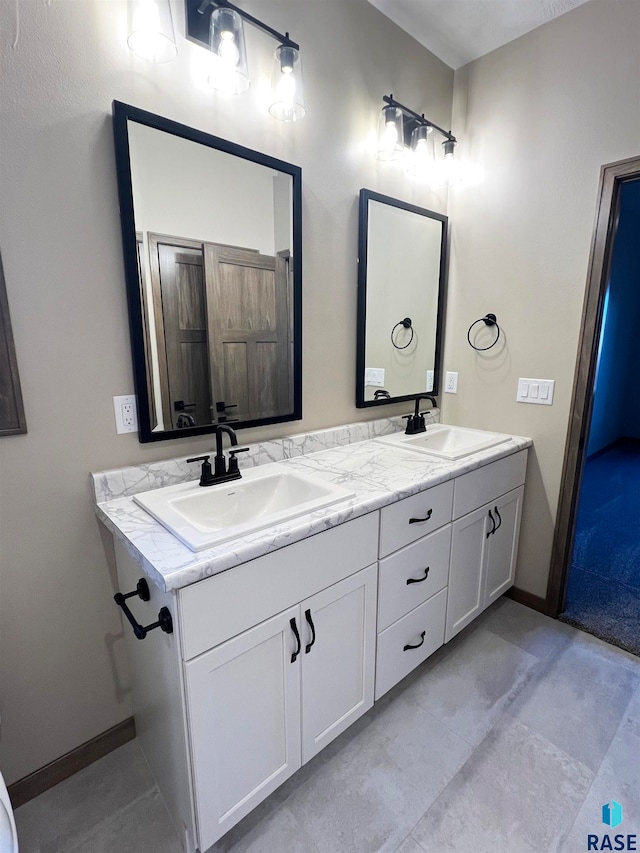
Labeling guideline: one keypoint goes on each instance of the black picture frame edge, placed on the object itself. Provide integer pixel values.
(365, 197)
(122, 113)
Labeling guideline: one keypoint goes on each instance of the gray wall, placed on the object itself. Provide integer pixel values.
(537, 119)
(63, 674)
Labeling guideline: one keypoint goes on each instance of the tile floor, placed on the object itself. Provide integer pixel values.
(508, 740)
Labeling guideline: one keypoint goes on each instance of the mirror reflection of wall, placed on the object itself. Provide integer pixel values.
(401, 270)
(215, 279)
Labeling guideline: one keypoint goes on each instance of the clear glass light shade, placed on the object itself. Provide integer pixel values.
(421, 160)
(151, 34)
(390, 134)
(287, 91)
(228, 72)
(448, 171)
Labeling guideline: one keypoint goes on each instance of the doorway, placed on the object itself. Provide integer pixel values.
(595, 571)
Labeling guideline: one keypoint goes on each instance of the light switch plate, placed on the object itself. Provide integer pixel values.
(374, 376)
(126, 412)
(539, 391)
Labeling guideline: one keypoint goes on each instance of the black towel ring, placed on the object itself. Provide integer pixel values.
(488, 320)
(406, 323)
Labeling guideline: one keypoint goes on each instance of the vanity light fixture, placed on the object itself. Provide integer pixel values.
(222, 32)
(151, 35)
(401, 128)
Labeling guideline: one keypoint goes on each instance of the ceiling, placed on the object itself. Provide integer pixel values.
(458, 31)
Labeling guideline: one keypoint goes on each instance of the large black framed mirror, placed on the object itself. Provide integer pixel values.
(212, 238)
(402, 252)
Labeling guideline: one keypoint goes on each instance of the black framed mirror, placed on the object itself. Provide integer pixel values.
(212, 238)
(402, 251)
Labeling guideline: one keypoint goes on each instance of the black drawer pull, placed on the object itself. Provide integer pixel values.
(408, 646)
(495, 509)
(296, 634)
(419, 520)
(165, 622)
(307, 616)
(493, 522)
(419, 580)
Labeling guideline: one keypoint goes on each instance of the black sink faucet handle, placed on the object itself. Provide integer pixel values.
(206, 475)
(233, 461)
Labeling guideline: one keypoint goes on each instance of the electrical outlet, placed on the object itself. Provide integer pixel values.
(429, 384)
(451, 382)
(126, 413)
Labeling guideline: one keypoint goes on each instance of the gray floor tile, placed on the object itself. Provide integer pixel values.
(605, 787)
(71, 809)
(409, 845)
(536, 634)
(470, 688)
(144, 826)
(278, 832)
(578, 700)
(518, 793)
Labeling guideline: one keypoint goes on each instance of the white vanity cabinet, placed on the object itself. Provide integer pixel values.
(265, 702)
(484, 541)
(412, 586)
(268, 663)
(271, 660)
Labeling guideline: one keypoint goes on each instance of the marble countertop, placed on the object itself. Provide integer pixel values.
(377, 474)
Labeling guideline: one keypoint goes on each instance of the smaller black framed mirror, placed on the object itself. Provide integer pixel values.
(212, 237)
(402, 261)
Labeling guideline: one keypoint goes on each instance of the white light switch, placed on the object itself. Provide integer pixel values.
(538, 391)
(374, 376)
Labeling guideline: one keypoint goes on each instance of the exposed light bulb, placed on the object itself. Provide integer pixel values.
(287, 87)
(228, 50)
(151, 35)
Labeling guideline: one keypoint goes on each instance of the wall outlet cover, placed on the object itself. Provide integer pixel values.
(374, 376)
(451, 382)
(429, 382)
(126, 412)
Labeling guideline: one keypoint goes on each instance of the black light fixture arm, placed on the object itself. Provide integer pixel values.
(284, 40)
(420, 119)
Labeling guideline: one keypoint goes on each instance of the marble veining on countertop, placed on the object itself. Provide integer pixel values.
(376, 473)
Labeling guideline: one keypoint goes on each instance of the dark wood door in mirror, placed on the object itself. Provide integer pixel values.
(212, 244)
(12, 420)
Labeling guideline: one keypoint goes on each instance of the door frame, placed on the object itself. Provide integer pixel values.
(612, 176)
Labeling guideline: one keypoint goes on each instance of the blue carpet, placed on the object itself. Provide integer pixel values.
(603, 595)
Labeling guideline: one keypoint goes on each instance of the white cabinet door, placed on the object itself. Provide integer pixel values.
(503, 545)
(244, 710)
(469, 547)
(338, 666)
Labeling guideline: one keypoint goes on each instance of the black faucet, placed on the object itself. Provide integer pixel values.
(415, 422)
(220, 474)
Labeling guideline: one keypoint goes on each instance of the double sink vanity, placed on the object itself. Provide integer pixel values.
(299, 594)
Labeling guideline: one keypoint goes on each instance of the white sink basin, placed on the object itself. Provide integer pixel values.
(204, 516)
(446, 442)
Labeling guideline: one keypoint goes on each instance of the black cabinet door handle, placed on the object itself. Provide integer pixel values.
(307, 616)
(296, 634)
(495, 509)
(419, 580)
(419, 520)
(493, 523)
(417, 646)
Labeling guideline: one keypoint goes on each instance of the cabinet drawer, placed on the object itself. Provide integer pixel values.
(489, 482)
(220, 607)
(425, 563)
(410, 519)
(393, 661)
